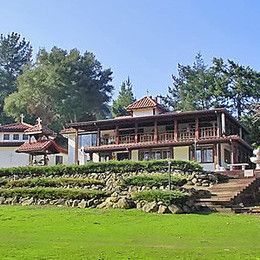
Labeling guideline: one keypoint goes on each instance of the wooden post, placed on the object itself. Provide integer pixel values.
(218, 125)
(175, 130)
(76, 151)
(197, 134)
(117, 135)
(223, 123)
(98, 137)
(136, 132)
(155, 131)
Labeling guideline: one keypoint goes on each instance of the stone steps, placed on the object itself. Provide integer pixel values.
(224, 194)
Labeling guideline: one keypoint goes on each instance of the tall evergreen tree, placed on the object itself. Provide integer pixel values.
(15, 52)
(125, 98)
(62, 87)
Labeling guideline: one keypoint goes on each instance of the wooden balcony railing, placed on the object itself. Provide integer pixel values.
(107, 140)
(145, 138)
(126, 139)
(186, 134)
(167, 136)
(208, 132)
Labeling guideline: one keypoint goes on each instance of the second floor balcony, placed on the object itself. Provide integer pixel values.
(167, 136)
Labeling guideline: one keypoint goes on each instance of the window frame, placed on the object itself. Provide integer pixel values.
(6, 135)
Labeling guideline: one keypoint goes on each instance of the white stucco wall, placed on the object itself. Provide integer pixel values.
(144, 112)
(9, 158)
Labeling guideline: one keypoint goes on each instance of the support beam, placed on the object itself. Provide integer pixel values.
(175, 130)
(223, 123)
(155, 131)
(136, 132)
(117, 135)
(98, 137)
(197, 134)
(76, 151)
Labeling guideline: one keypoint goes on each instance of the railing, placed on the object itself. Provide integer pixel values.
(126, 139)
(167, 136)
(107, 140)
(145, 138)
(186, 134)
(208, 132)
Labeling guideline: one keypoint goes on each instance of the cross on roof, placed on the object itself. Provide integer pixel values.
(38, 120)
(21, 118)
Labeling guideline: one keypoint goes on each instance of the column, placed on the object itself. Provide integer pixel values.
(175, 130)
(218, 126)
(76, 151)
(117, 135)
(155, 131)
(136, 132)
(98, 137)
(223, 123)
(197, 135)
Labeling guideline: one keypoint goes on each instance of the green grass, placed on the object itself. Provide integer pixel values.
(66, 233)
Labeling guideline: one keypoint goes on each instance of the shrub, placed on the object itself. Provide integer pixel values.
(50, 182)
(154, 180)
(167, 197)
(101, 167)
(52, 193)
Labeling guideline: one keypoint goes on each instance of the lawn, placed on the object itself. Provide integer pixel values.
(68, 233)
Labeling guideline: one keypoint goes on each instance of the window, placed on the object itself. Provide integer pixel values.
(15, 136)
(6, 137)
(87, 140)
(227, 156)
(59, 159)
(155, 155)
(25, 137)
(204, 155)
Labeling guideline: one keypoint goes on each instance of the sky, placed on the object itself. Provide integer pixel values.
(142, 39)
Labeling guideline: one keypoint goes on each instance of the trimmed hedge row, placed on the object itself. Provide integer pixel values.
(101, 167)
(154, 180)
(52, 193)
(49, 182)
(167, 197)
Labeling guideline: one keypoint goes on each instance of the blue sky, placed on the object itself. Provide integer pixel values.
(144, 39)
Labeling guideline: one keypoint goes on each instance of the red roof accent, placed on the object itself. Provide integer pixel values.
(41, 147)
(15, 127)
(145, 102)
(39, 129)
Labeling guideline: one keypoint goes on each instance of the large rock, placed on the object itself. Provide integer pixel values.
(82, 204)
(163, 209)
(28, 202)
(124, 203)
(75, 203)
(105, 205)
(174, 209)
(2, 200)
(150, 207)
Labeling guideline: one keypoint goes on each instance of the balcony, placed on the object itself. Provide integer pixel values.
(142, 138)
(186, 134)
(208, 132)
(126, 139)
(167, 136)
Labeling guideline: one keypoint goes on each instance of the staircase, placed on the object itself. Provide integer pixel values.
(226, 196)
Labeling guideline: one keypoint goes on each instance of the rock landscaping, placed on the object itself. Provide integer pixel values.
(123, 185)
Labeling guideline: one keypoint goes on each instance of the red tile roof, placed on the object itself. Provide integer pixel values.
(39, 129)
(41, 147)
(145, 102)
(15, 127)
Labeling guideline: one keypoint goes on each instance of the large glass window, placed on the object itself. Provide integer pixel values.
(204, 155)
(16, 137)
(155, 154)
(86, 140)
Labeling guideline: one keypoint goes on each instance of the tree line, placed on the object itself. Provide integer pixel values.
(63, 86)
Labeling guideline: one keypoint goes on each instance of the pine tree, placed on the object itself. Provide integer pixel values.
(125, 98)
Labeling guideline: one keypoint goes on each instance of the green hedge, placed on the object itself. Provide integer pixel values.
(154, 180)
(167, 197)
(101, 167)
(49, 182)
(52, 193)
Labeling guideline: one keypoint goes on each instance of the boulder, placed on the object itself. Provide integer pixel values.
(124, 203)
(175, 209)
(2, 200)
(82, 204)
(28, 202)
(104, 205)
(163, 209)
(150, 207)
(75, 203)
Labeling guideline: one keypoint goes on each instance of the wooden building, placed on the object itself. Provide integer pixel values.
(212, 137)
